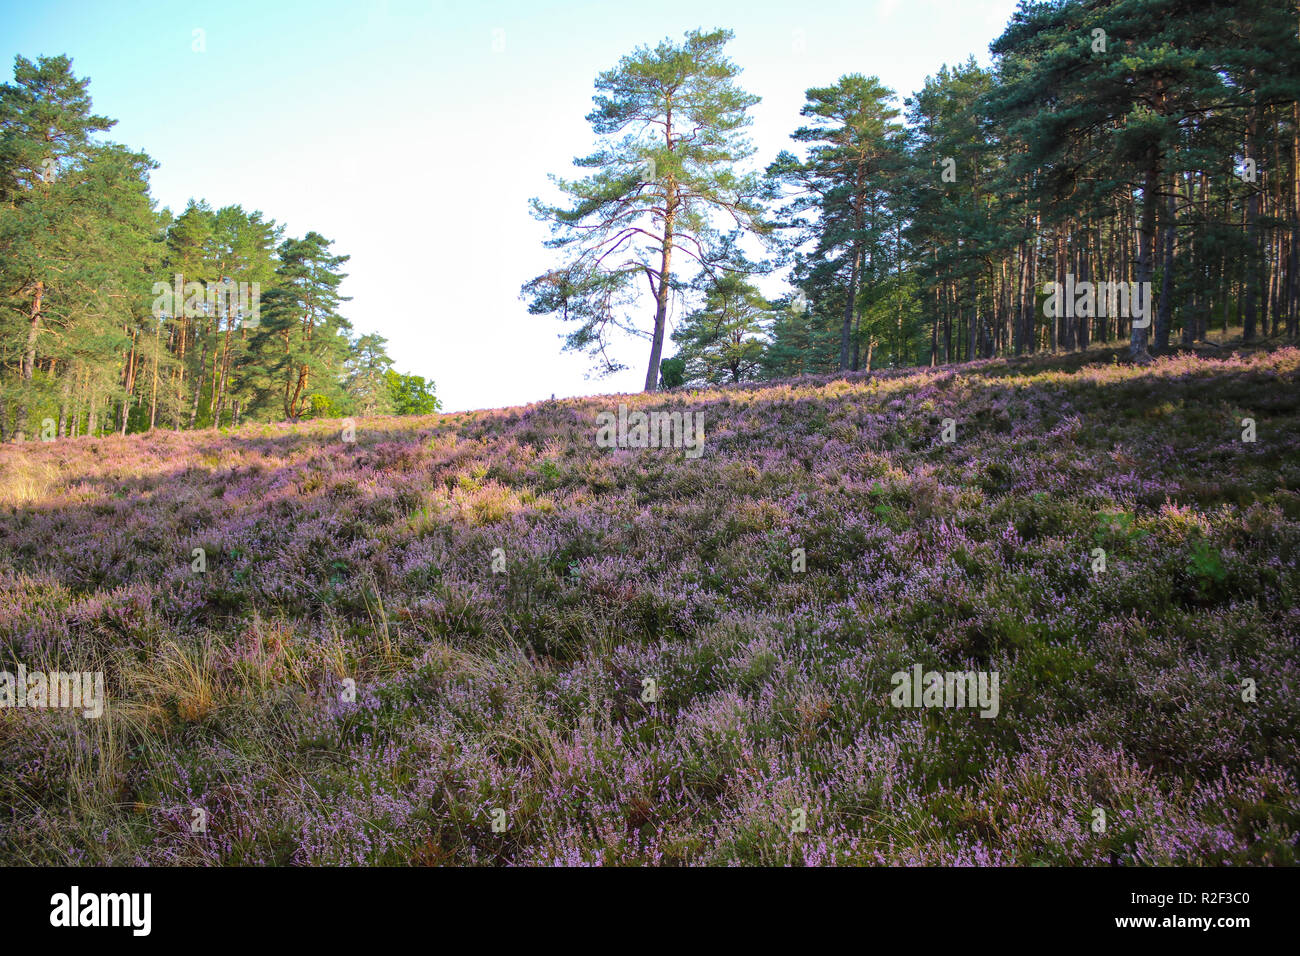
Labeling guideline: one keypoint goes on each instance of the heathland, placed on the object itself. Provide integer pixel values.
(483, 638)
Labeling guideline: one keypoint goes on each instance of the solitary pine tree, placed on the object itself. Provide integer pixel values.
(662, 178)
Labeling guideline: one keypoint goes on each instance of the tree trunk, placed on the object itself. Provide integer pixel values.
(846, 330)
(180, 372)
(974, 320)
(153, 394)
(1146, 240)
(29, 361)
(661, 300)
(198, 382)
(1170, 237)
(934, 327)
(1293, 268)
(130, 384)
(1250, 305)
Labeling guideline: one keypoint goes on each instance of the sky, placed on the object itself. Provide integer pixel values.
(413, 133)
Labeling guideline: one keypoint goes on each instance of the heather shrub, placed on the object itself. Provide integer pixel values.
(480, 638)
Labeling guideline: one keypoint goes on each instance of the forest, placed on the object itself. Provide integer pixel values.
(1143, 145)
(92, 341)
(1122, 141)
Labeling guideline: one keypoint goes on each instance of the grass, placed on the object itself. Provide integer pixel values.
(350, 681)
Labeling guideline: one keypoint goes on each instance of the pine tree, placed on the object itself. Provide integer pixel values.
(671, 121)
(838, 194)
(46, 125)
(723, 340)
(302, 337)
(366, 368)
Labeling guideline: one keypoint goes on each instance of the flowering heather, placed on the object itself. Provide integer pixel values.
(480, 638)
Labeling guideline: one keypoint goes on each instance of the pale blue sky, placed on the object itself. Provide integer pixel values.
(398, 129)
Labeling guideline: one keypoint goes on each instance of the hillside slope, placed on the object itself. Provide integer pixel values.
(522, 690)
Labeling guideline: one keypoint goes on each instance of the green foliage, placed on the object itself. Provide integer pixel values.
(723, 341)
(117, 317)
(366, 370)
(411, 394)
(839, 202)
(672, 372)
(1205, 564)
(319, 406)
(664, 179)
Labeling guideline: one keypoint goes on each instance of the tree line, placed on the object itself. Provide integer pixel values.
(116, 316)
(1124, 171)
